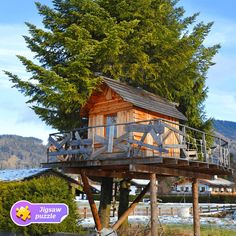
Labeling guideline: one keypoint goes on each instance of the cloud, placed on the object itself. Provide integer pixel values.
(223, 74)
(223, 32)
(16, 117)
(221, 105)
(12, 44)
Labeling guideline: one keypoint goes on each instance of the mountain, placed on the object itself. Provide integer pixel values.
(227, 128)
(21, 152)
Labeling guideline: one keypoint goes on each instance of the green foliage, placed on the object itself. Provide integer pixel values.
(21, 152)
(38, 190)
(146, 43)
(187, 230)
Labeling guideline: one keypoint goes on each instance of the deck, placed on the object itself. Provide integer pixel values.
(134, 150)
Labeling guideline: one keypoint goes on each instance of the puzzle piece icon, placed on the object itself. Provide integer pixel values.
(23, 213)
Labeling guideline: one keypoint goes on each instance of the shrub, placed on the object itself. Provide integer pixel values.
(48, 189)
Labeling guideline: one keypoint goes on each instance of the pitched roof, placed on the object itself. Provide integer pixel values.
(20, 174)
(141, 182)
(219, 182)
(24, 174)
(144, 99)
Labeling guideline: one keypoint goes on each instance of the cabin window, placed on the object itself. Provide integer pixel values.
(111, 120)
(203, 189)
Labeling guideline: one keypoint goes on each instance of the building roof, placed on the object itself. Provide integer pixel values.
(219, 182)
(24, 174)
(144, 99)
(216, 182)
(140, 182)
(20, 174)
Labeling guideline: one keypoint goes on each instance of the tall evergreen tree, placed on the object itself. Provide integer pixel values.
(146, 43)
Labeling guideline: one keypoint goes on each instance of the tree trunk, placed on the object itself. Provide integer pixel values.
(105, 201)
(153, 204)
(196, 217)
(124, 204)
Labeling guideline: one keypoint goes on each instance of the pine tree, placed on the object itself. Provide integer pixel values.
(146, 43)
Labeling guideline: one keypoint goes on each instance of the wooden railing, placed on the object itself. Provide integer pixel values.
(139, 139)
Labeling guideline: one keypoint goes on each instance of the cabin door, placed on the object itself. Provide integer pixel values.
(111, 129)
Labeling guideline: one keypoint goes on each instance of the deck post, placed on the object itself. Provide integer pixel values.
(105, 201)
(196, 217)
(124, 204)
(131, 208)
(91, 201)
(153, 203)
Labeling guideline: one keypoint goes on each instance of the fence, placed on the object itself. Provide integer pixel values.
(85, 212)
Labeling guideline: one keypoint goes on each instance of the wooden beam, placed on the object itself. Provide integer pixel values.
(131, 208)
(92, 204)
(196, 217)
(168, 171)
(153, 203)
(107, 162)
(203, 165)
(182, 162)
(170, 161)
(194, 164)
(108, 173)
(117, 174)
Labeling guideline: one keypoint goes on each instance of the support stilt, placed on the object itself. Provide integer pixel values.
(131, 208)
(105, 201)
(91, 201)
(153, 202)
(123, 205)
(196, 217)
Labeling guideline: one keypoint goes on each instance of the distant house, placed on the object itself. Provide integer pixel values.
(137, 185)
(15, 175)
(206, 187)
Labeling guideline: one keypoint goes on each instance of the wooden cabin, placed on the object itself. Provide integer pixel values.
(127, 124)
(118, 103)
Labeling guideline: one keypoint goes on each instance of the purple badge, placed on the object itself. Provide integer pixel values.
(24, 213)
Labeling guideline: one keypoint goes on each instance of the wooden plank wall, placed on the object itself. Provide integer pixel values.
(108, 102)
(141, 114)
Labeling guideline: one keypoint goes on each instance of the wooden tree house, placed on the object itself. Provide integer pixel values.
(135, 134)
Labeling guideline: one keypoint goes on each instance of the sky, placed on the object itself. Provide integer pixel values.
(17, 118)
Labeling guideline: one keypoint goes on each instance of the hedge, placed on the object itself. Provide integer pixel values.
(48, 189)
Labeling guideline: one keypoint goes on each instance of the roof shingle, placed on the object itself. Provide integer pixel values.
(144, 99)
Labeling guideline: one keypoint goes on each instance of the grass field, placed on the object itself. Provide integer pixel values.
(177, 230)
(187, 230)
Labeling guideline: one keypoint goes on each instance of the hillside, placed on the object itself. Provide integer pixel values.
(20, 152)
(227, 128)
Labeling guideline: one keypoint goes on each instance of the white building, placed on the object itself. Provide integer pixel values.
(214, 186)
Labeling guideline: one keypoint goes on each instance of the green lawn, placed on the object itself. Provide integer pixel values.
(187, 230)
